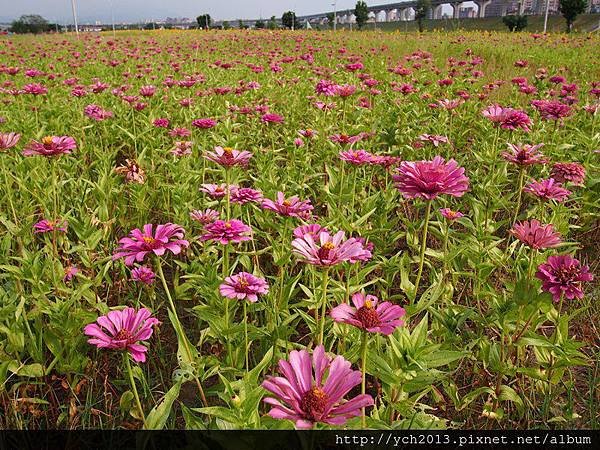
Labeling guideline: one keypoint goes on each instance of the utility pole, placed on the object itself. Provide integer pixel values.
(546, 15)
(112, 18)
(75, 17)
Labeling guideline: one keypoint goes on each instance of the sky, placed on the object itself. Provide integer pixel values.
(145, 10)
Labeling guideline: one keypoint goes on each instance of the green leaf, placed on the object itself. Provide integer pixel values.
(157, 418)
(509, 394)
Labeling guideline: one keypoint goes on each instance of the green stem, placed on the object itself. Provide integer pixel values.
(246, 335)
(227, 195)
(133, 387)
(445, 248)
(363, 361)
(519, 194)
(179, 328)
(8, 187)
(323, 305)
(423, 247)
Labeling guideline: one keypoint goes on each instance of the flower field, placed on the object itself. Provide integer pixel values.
(245, 229)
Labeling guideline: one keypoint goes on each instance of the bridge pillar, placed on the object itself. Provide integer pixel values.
(437, 12)
(456, 10)
(481, 7)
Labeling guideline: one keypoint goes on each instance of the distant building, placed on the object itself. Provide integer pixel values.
(467, 13)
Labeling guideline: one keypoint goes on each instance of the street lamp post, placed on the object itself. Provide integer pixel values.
(75, 17)
(334, 4)
(546, 15)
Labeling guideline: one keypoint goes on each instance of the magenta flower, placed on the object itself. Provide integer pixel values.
(204, 124)
(225, 232)
(228, 157)
(292, 207)
(50, 146)
(143, 274)
(568, 172)
(8, 140)
(123, 330)
(304, 396)
(161, 123)
(356, 157)
(313, 229)
(536, 235)
(97, 113)
(215, 190)
(166, 237)
(451, 215)
(327, 250)
(507, 118)
(524, 155)
(271, 118)
(552, 109)
(70, 272)
(369, 315)
(205, 217)
(244, 285)
(563, 275)
(435, 139)
(48, 226)
(242, 196)
(429, 179)
(180, 132)
(547, 190)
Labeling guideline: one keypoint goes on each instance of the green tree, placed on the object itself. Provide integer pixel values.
(330, 19)
(31, 23)
(204, 21)
(421, 10)
(570, 9)
(241, 25)
(515, 23)
(226, 25)
(272, 24)
(361, 12)
(289, 20)
(259, 24)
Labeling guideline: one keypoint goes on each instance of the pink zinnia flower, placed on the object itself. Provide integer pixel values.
(147, 91)
(326, 87)
(552, 109)
(435, 139)
(143, 274)
(228, 157)
(244, 285)
(536, 235)
(215, 190)
(370, 315)
(325, 249)
(308, 133)
(507, 118)
(451, 215)
(161, 123)
(429, 179)
(180, 132)
(547, 190)
(563, 275)
(97, 113)
(182, 148)
(356, 157)
(47, 226)
(205, 217)
(568, 172)
(313, 229)
(50, 146)
(9, 140)
(70, 272)
(365, 254)
(225, 232)
(524, 155)
(271, 118)
(243, 195)
(292, 207)
(304, 396)
(204, 124)
(139, 243)
(123, 330)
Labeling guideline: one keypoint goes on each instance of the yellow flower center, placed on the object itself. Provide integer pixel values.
(47, 140)
(328, 246)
